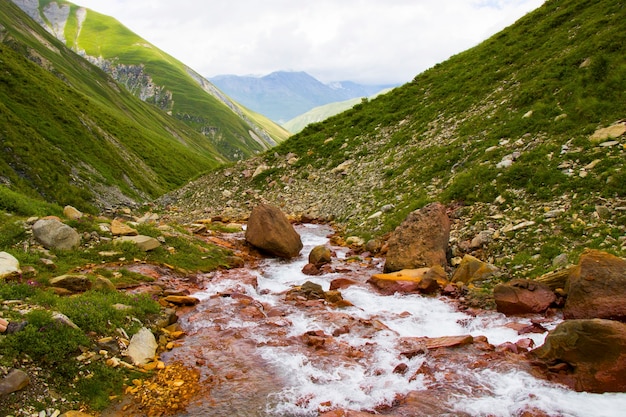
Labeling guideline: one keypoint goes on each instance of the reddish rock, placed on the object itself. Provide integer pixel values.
(311, 269)
(269, 230)
(182, 300)
(596, 288)
(340, 283)
(586, 355)
(420, 241)
(521, 296)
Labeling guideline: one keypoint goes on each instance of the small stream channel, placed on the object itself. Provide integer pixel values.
(261, 354)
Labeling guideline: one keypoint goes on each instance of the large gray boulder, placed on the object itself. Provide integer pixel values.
(54, 234)
(421, 241)
(269, 230)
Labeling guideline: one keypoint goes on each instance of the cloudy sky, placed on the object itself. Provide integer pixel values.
(367, 41)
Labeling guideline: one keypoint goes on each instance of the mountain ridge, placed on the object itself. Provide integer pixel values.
(72, 135)
(157, 77)
(283, 95)
(502, 133)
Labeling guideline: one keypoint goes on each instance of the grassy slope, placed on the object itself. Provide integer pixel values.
(66, 126)
(321, 113)
(103, 36)
(441, 136)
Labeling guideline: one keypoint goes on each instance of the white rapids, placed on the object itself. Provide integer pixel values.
(312, 383)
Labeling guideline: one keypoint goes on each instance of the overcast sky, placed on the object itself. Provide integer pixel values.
(367, 41)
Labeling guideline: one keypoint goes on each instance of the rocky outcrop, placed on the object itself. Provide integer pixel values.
(596, 288)
(586, 355)
(420, 241)
(9, 265)
(54, 234)
(521, 296)
(270, 231)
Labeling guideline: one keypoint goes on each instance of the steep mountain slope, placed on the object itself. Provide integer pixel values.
(502, 132)
(157, 77)
(283, 95)
(70, 135)
(321, 113)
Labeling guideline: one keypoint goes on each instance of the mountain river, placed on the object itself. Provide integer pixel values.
(263, 353)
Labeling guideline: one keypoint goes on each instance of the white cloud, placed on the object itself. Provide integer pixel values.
(367, 41)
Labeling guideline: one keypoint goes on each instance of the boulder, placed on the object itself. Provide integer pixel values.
(142, 347)
(420, 241)
(72, 213)
(54, 234)
(16, 380)
(522, 296)
(182, 300)
(103, 284)
(270, 231)
(473, 269)
(72, 283)
(118, 228)
(9, 265)
(145, 243)
(319, 255)
(586, 355)
(406, 281)
(596, 287)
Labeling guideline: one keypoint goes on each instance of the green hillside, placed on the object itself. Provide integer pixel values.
(321, 113)
(501, 131)
(70, 135)
(160, 79)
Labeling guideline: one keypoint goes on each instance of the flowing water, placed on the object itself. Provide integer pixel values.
(263, 354)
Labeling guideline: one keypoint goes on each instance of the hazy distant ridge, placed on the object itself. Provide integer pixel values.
(283, 95)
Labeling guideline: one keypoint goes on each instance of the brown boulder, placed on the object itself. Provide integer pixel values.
(586, 355)
(473, 269)
(72, 283)
(270, 231)
(319, 255)
(596, 288)
(522, 296)
(420, 241)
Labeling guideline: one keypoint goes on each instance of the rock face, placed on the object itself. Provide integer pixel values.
(521, 296)
(596, 288)
(420, 241)
(9, 265)
(54, 234)
(587, 355)
(142, 347)
(269, 230)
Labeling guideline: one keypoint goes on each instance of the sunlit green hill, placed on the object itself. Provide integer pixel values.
(69, 134)
(158, 78)
(503, 130)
